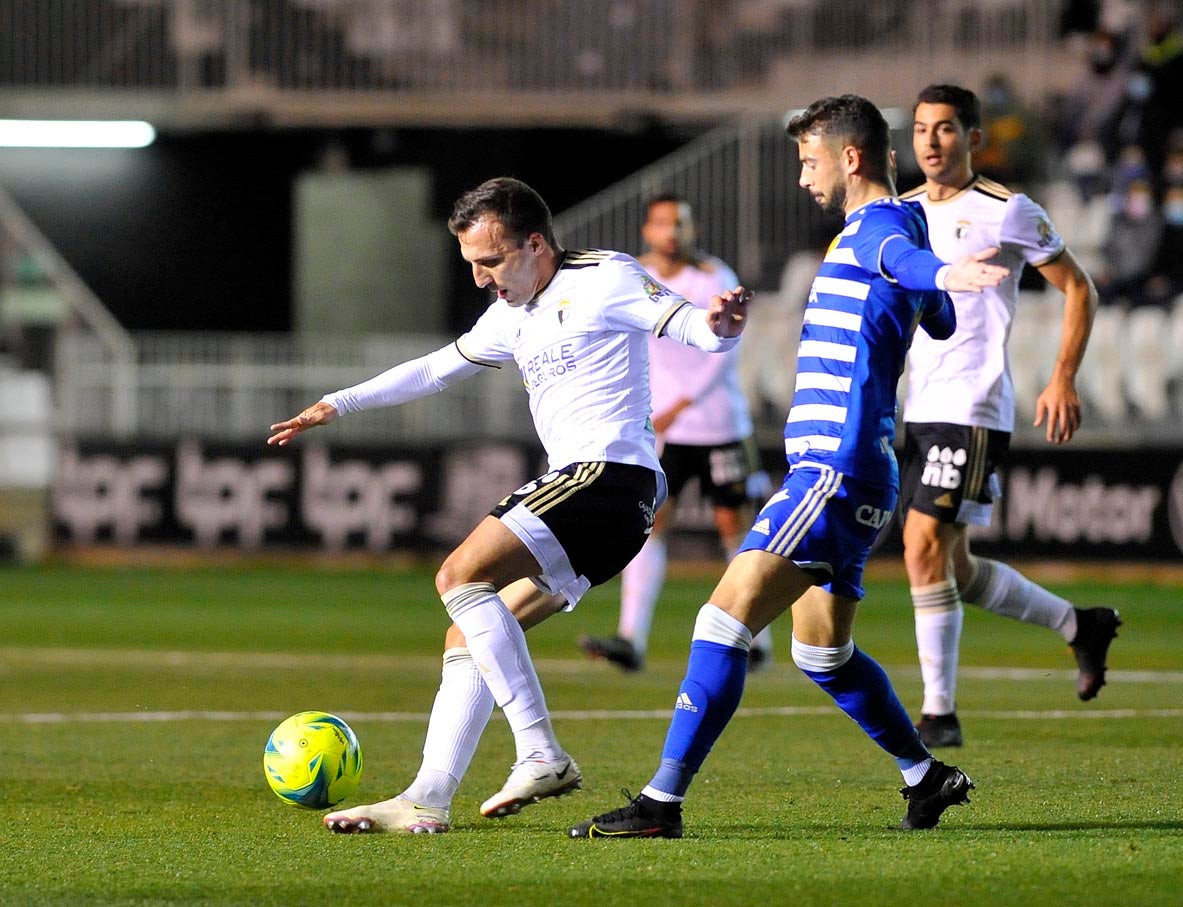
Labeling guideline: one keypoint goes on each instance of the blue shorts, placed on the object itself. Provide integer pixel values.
(825, 523)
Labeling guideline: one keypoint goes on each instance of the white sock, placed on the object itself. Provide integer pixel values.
(462, 708)
(1001, 589)
(640, 584)
(938, 639)
(537, 741)
(498, 647)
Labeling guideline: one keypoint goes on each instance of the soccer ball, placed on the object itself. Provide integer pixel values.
(312, 760)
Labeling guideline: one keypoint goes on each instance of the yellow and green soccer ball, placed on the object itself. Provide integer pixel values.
(312, 760)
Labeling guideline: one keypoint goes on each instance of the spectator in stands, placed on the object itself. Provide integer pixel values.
(1091, 110)
(1166, 271)
(1162, 65)
(1130, 248)
(1014, 146)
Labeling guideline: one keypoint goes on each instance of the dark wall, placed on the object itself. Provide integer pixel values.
(194, 232)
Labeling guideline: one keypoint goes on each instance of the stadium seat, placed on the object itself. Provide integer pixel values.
(1033, 337)
(1101, 375)
(1146, 361)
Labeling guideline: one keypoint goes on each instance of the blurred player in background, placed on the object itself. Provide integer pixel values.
(576, 324)
(703, 428)
(959, 412)
(808, 546)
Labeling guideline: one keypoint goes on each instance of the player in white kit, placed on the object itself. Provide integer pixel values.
(959, 412)
(576, 325)
(703, 427)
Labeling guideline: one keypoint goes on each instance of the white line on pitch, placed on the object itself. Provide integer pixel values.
(562, 715)
(68, 657)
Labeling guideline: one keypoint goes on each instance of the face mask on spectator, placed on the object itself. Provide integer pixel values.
(1139, 87)
(1138, 205)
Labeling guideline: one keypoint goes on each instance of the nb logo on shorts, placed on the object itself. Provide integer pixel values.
(872, 516)
(941, 469)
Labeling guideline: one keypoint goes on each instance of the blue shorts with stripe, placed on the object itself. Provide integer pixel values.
(825, 523)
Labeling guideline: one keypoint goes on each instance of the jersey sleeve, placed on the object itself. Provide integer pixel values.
(633, 301)
(1025, 225)
(891, 243)
(487, 342)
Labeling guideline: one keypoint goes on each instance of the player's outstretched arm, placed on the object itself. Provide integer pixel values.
(319, 413)
(973, 273)
(728, 313)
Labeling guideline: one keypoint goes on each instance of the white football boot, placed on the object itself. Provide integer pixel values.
(532, 780)
(394, 815)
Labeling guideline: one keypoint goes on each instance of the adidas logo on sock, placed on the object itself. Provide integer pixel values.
(762, 527)
(685, 703)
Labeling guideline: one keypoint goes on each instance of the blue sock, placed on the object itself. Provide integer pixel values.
(863, 691)
(707, 699)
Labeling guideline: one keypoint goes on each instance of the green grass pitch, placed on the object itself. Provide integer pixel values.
(1076, 803)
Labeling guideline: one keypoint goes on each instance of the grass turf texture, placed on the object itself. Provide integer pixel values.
(1086, 808)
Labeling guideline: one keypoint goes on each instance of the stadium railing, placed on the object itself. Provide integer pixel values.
(189, 62)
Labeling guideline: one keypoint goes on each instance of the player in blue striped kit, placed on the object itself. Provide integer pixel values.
(808, 546)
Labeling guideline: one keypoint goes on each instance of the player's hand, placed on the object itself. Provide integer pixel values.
(973, 273)
(319, 413)
(1060, 406)
(729, 312)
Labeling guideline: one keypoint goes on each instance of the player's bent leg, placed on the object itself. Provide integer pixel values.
(1000, 588)
(862, 689)
(396, 815)
(533, 780)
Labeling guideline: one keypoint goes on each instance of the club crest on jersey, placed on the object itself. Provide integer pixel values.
(564, 307)
(961, 231)
(1047, 235)
(654, 290)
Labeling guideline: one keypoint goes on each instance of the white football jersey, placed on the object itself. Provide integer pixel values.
(719, 414)
(582, 349)
(966, 379)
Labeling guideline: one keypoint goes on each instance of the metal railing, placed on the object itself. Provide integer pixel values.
(357, 61)
(83, 314)
(233, 386)
(740, 180)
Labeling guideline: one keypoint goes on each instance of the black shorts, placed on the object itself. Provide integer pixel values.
(583, 523)
(945, 466)
(722, 471)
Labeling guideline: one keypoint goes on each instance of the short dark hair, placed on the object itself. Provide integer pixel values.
(664, 198)
(854, 120)
(963, 101)
(519, 208)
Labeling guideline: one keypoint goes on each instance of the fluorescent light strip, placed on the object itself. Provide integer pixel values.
(76, 133)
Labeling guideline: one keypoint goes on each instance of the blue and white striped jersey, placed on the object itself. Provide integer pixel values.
(858, 325)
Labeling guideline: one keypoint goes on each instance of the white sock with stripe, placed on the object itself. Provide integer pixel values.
(499, 649)
(939, 616)
(1001, 589)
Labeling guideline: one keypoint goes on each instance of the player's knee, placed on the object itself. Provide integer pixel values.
(821, 659)
(451, 574)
